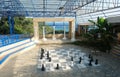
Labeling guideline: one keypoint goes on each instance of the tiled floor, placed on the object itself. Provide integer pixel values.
(25, 65)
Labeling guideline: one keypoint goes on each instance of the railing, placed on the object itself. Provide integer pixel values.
(10, 39)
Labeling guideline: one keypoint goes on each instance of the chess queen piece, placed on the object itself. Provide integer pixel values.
(43, 67)
(57, 66)
(96, 61)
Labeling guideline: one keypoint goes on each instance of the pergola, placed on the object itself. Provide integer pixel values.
(79, 10)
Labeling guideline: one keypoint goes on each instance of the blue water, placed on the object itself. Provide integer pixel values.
(59, 25)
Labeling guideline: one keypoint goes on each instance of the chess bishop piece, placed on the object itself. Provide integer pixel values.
(43, 67)
(96, 61)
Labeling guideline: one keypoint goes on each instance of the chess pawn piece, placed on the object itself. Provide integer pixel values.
(57, 66)
(71, 58)
(96, 61)
(43, 68)
(49, 59)
(89, 56)
(90, 63)
(80, 60)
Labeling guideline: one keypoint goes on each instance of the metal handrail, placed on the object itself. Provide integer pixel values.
(10, 39)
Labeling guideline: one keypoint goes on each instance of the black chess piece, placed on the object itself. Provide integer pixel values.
(41, 56)
(43, 67)
(96, 61)
(49, 59)
(42, 50)
(89, 56)
(91, 59)
(57, 66)
(80, 60)
(90, 63)
(71, 58)
(47, 54)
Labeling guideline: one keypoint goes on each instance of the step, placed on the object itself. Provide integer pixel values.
(13, 52)
(7, 47)
(16, 48)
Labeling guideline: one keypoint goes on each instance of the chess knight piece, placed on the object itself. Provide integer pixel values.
(57, 66)
(80, 60)
(43, 68)
(96, 61)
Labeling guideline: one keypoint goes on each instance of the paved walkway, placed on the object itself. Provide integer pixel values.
(25, 65)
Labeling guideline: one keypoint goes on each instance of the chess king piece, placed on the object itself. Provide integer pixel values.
(80, 60)
(49, 59)
(90, 63)
(57, 66)
(47, 54)
(71, 58)
(43, 67)
(96, 61)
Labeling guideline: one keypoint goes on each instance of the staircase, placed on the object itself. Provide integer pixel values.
(13, 49)
(116, 50)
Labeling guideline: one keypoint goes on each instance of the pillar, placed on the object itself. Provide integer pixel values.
(64, 33)
(11, 24)
(72, 30)
(54, 38)
(36, 29)
(44, 34)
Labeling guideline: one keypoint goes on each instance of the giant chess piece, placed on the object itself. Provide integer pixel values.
(41, 56)
(49, 59)
(80, 60)
(96, 61)
(57, 66)
(90, 63)
(89, 56)
(71, 58)
(42, 50)
(91, 59)
(43, 67)
(47, 54)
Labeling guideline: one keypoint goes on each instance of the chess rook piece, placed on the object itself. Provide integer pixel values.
(90, 63)
(80, 60)
(47, 54)
(71, 58)
(96, 61)
(57, 66)
(43, 68)
(49, 59)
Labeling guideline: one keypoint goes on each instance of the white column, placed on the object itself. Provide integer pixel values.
(54, 38)
(64, 33)
(73, 31)
(44, 34)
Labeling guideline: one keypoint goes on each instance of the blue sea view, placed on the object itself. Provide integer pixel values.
(59, 25)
